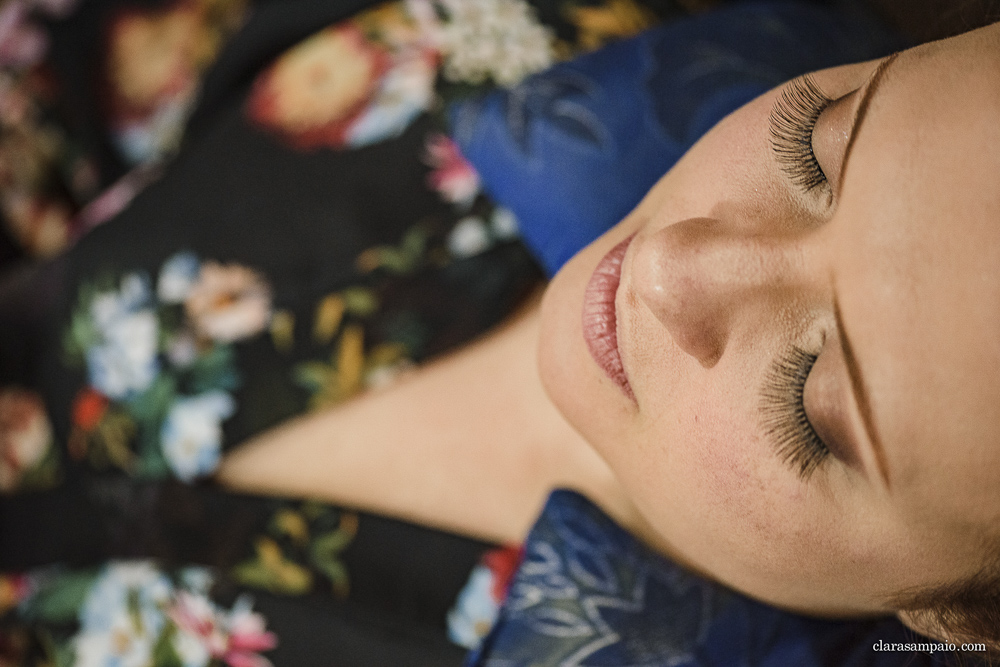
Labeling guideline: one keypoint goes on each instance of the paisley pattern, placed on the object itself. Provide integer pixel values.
(588, 594)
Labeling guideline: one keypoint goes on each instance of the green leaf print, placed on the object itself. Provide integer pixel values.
(58, 598)
(151, 406)
(215, 369)
(164, 653)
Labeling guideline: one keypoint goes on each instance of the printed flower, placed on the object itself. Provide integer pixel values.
(182, 349)
(454, 178)
(207, 632)
(89, 407)
(503, 222)
(317, 89)
(23, 43)
(478, 605)
(191, 435)
(177, 276)
(468, 237)
(154, 135)
(25, 435)
(152, 70)
(133, 610)
(122, 616)
(155, 57)
(197, 579)
(475, 611)
(247, 636)
(125, 645)
(228, 303)
(493, 39)
(405, 91)
(151, 55)
(126, 359)
(39, 224)
(122, 583)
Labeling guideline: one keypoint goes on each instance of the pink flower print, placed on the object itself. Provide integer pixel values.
(195, 615)
(229, 302)
(236, 637)
(454, 178)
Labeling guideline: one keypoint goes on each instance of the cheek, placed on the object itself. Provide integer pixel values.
(706, 483)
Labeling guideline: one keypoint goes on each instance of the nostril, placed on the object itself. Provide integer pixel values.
(704, 341)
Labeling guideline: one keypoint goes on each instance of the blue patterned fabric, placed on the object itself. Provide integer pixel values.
(588, 594)
(573, 149)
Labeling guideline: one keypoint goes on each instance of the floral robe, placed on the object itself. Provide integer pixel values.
(266, 217)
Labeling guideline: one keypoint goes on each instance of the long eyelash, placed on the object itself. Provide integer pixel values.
(793, 119)
(784, 412)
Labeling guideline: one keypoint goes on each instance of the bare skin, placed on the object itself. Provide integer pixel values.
(469, 443)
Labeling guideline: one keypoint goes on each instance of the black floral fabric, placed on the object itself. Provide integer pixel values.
(261, 214)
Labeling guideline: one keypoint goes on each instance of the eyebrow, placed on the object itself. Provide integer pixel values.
(871, 88)
(861, 394)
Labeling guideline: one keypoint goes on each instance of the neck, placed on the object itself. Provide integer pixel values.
(469, 443)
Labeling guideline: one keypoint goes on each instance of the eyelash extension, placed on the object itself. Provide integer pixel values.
(784, 412)
(793, 119)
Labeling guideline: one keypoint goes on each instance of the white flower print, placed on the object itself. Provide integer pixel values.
(475, 611)
(112, 634)
(498, 39)
(405, 91)
(133, 606)
(504, 223)
(469, 237)
(177, 276)
(454, 177)
(191, 435)
(125, 361)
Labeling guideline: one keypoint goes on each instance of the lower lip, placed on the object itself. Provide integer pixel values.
(600, 321)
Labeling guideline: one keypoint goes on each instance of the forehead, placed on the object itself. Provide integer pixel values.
(918, 273)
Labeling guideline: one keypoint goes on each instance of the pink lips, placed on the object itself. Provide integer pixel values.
(600, 322)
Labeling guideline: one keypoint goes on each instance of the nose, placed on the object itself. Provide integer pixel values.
(701, 278)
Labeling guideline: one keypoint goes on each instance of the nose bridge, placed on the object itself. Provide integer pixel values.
(698, 277)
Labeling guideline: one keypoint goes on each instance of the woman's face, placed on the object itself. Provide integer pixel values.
(806, 310)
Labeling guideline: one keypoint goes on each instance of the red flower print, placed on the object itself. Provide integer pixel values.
(88, 409)
(454, 178)
(318, 89)
(503, 563)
